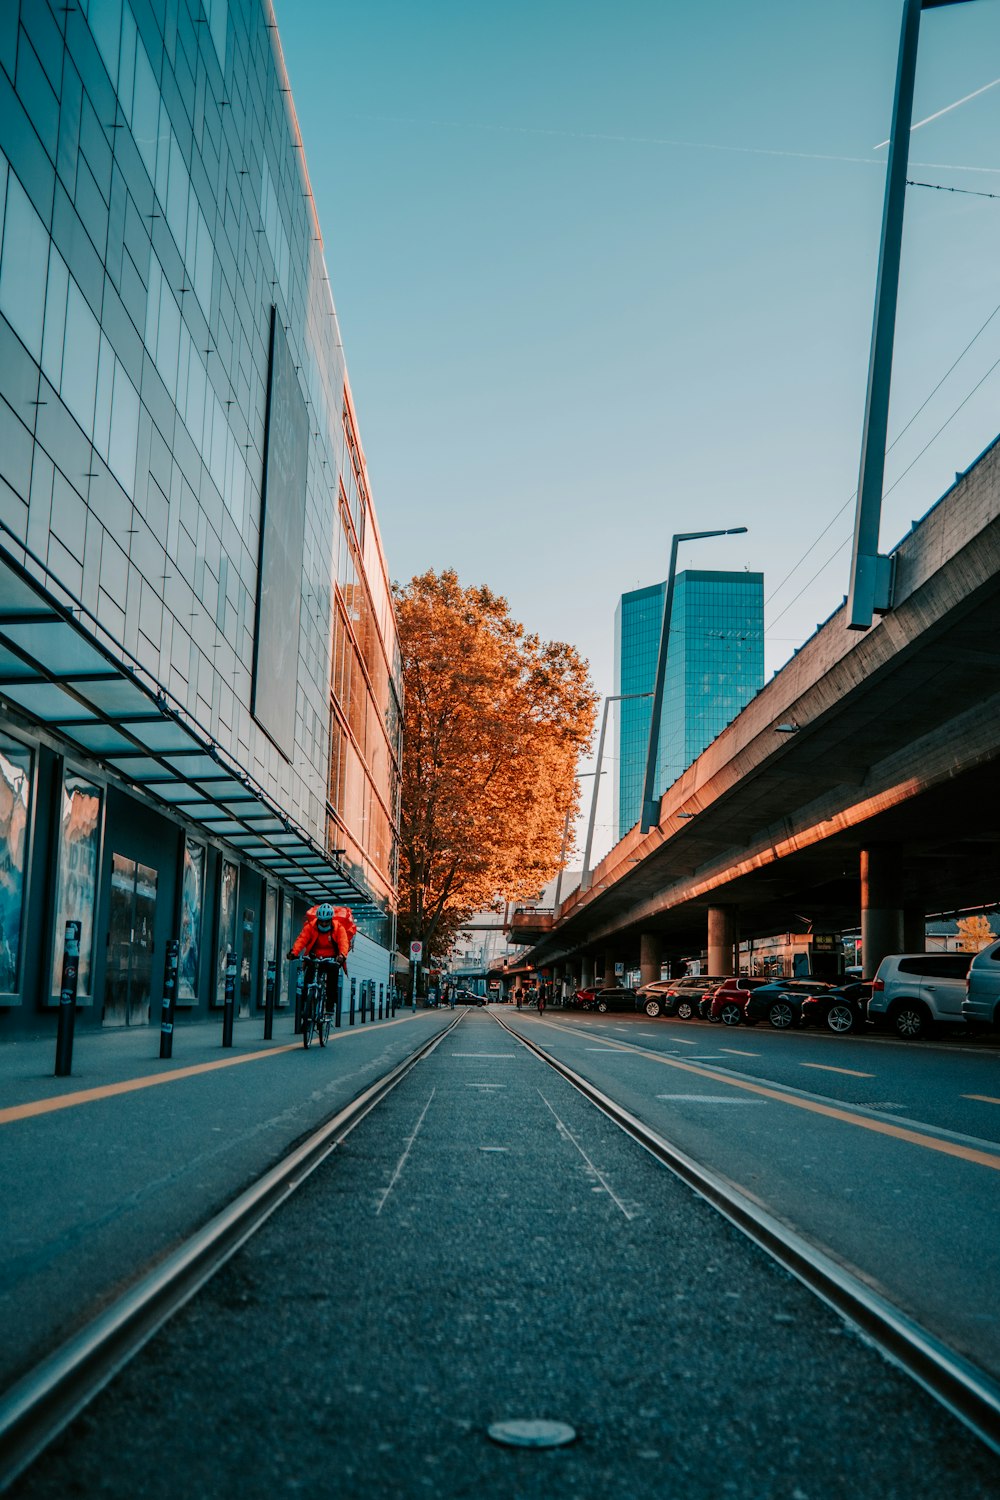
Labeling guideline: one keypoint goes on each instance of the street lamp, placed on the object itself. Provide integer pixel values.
(597, 773)
(615, 698)
(650, 802)
(870, 589)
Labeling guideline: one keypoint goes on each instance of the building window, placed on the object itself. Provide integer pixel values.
(81, 830)
(15, 825)
(192, 904)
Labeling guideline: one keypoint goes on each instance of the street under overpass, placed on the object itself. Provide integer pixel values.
(860, 786)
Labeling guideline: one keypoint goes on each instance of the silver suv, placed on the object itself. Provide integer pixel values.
(981, 1006)
(913, 992)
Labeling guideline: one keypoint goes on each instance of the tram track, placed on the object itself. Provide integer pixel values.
(961, 1387)
(44, 1401)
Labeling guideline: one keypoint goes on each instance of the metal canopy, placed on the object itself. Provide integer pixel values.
(52, 671)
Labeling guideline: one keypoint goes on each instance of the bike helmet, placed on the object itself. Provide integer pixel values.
(324, 917)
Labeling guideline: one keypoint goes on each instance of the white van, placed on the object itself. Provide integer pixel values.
(981, 1006)
(913, 992)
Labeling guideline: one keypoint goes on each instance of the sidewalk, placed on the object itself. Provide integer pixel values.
(106, 1170)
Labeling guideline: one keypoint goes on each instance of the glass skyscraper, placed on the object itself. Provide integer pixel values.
(200, 708)
(715, 665)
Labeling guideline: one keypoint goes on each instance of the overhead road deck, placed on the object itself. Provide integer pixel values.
(886, 743)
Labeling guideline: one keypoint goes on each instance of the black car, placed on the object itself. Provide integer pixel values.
(840, 1010)
(612, 999)
(780, 1001)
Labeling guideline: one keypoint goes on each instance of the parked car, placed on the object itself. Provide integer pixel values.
(656, 998)
(584, 999)
(678, 997)
(779, 1001)
(727, 1002)
(914, 992)
(613, 999)
(981, 1006)
(840, 1010)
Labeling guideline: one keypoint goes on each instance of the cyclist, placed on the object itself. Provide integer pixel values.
(327, 932)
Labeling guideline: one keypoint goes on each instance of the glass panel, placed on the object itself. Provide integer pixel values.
(80, 830)
(141, 966)
(192, 902)
(270, 923)
(23, 267)
(227, 925)
(246, 959)
(15, 812)
(286, 939)
(119, 940)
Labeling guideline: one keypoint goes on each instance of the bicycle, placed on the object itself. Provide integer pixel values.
(317, 1016)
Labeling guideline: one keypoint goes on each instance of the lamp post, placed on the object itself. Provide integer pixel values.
(565, 843)
(585, 876)
(650, 802)
(870, 589)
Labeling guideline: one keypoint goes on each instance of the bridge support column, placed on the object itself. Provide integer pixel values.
(650, 953)
(881, 906)
(586, 972)
(723, 936)
(610, 958)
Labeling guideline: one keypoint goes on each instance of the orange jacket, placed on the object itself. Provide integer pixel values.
(336, 942)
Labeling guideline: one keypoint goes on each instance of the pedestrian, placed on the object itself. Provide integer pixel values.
(541, 997)
(518, 996)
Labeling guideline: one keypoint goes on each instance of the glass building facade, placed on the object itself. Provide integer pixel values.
(200, 710)
(715, 665)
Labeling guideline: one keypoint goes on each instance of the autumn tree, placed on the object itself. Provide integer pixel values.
(495, 719)
(974, 933)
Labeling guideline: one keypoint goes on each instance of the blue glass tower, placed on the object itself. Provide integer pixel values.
(715, 665)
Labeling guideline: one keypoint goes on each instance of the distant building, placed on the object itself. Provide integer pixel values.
(715, 665)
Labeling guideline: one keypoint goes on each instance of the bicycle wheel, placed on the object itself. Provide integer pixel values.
(308, 1019)
(323, 1026)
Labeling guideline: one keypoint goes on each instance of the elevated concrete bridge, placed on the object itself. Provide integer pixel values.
(878, 801)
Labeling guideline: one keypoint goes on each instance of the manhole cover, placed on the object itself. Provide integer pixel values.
(531, 1433)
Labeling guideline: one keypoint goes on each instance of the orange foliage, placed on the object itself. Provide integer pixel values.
(495, 720)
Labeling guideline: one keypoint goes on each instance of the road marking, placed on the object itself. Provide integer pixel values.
(493, 1148)
(485, 1085)
(815, 1107)
(130, 1085)
(684, 1041)
(709, 1099)
(402, 1160)
(735, 1052)
(983, 1098)
(568, 1135)
(481, 1054)
(823, 1068)
(606, 1048)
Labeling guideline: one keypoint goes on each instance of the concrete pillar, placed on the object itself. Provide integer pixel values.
(586, 971)
(650, 953)
(723, 936)
(610, 958)
(881, 906)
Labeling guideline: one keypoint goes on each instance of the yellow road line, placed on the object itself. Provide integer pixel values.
(813, 1106)
(130, 1085)
(825, 1068)
(983, 1098)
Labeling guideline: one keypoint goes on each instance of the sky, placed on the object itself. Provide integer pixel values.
(604, 274)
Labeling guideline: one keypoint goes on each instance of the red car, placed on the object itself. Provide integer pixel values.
(728, 1002)
(583, 998)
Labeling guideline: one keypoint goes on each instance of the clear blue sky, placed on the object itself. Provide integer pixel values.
(607, 273)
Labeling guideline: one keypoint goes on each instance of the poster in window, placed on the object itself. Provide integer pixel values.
(15, 814)
(192, 905)
(80, 830)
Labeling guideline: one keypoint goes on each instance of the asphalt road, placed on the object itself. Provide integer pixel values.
(487, 1245)
(878, 1151)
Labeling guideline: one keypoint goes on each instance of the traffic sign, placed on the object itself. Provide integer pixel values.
(416, 951)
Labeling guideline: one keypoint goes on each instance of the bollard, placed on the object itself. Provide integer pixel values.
(381, 997)
(350, 1014)
(300, 989)
(269, 1000)
(230, 997)
(364, 999)
(338, 982)
(67, 1000)
(170, 964)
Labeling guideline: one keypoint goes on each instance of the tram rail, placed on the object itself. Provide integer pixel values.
(43, 1402)
(968, 1392)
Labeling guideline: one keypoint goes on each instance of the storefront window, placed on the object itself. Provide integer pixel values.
(227, 926)
(287, 938)
(15, 812)
(80, 832)
(192, 903)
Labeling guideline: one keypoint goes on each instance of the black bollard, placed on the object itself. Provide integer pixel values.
(300, 990)
(230, 997)
(350, 1013)
(381, 997)
(364, 1001)
(338, 982)
(170, 964)
(269, 1000)
(67, 1000)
